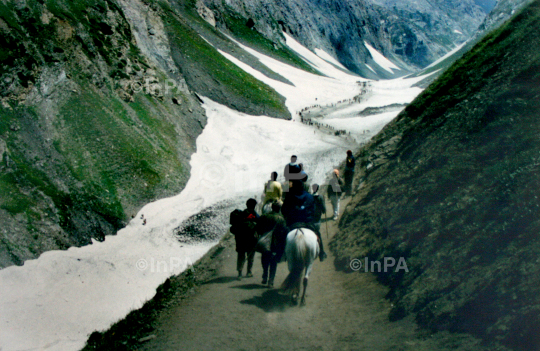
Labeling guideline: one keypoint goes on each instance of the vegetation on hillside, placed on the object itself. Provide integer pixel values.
(82, 150)
(195, 54)
(245, 31)
(452, 186)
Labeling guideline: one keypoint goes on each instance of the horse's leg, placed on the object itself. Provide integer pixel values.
(306, 276)
(297, 283)
(303, 300)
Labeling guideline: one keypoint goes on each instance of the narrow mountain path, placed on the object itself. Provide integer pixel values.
(344, 311)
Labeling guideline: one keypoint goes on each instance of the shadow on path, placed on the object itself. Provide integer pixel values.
(269, 301)
(220, 280)
(249, 286)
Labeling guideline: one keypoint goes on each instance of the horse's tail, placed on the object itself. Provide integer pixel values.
(292, 283)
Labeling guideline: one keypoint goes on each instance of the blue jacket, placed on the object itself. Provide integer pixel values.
(299, 208)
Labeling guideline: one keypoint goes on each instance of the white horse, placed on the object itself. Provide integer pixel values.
(301, 249)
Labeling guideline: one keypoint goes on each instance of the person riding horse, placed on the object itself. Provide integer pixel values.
(299, 210)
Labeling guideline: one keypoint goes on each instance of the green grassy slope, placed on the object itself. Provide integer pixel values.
(204, 68)
(83, 151)
(238, 26)
(82, 148)
(210, 73)
(452, 186)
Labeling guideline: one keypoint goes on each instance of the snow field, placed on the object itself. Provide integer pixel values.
(382, 61)
(56, 301)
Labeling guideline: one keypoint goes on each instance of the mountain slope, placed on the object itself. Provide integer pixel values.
(412, 36)
(502, 11)
(452, 186)
(99, 114)
(81, 150)
(99, 106)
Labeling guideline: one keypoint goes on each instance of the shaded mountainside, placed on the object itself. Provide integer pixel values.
(452, 186)
(503, 10)
(99, 113)
(411, 33)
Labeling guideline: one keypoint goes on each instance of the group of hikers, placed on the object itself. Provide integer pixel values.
(285, 207)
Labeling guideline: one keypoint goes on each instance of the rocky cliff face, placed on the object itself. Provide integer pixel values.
(412, 33)
(486, 5)
(99, 114)
(502, 11)
(88, 132)
(452, 186)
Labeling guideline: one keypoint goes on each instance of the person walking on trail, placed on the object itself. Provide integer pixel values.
(350, 163)
(273, 192)
(291, 172)
(246, 237)
(292, 169)
(320, 206)
(299, 211)
(303, 176)
(334, 192)
(274, 222)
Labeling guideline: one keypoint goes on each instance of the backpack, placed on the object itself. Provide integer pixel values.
(299, 208)
(235, 220)
(334, 188)
(242, 222)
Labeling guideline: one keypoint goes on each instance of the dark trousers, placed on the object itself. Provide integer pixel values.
(349, 176)
(242, 259)
(321, 247)
(269, 263)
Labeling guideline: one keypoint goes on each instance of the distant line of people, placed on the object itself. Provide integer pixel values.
(364, 87)
(310, 122)
(285, 207)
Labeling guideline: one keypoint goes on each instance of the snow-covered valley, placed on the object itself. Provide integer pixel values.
(55, 302)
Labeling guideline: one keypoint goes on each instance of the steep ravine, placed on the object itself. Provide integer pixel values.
(100, 103)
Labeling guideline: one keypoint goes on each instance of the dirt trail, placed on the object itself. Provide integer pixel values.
(344, 311)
